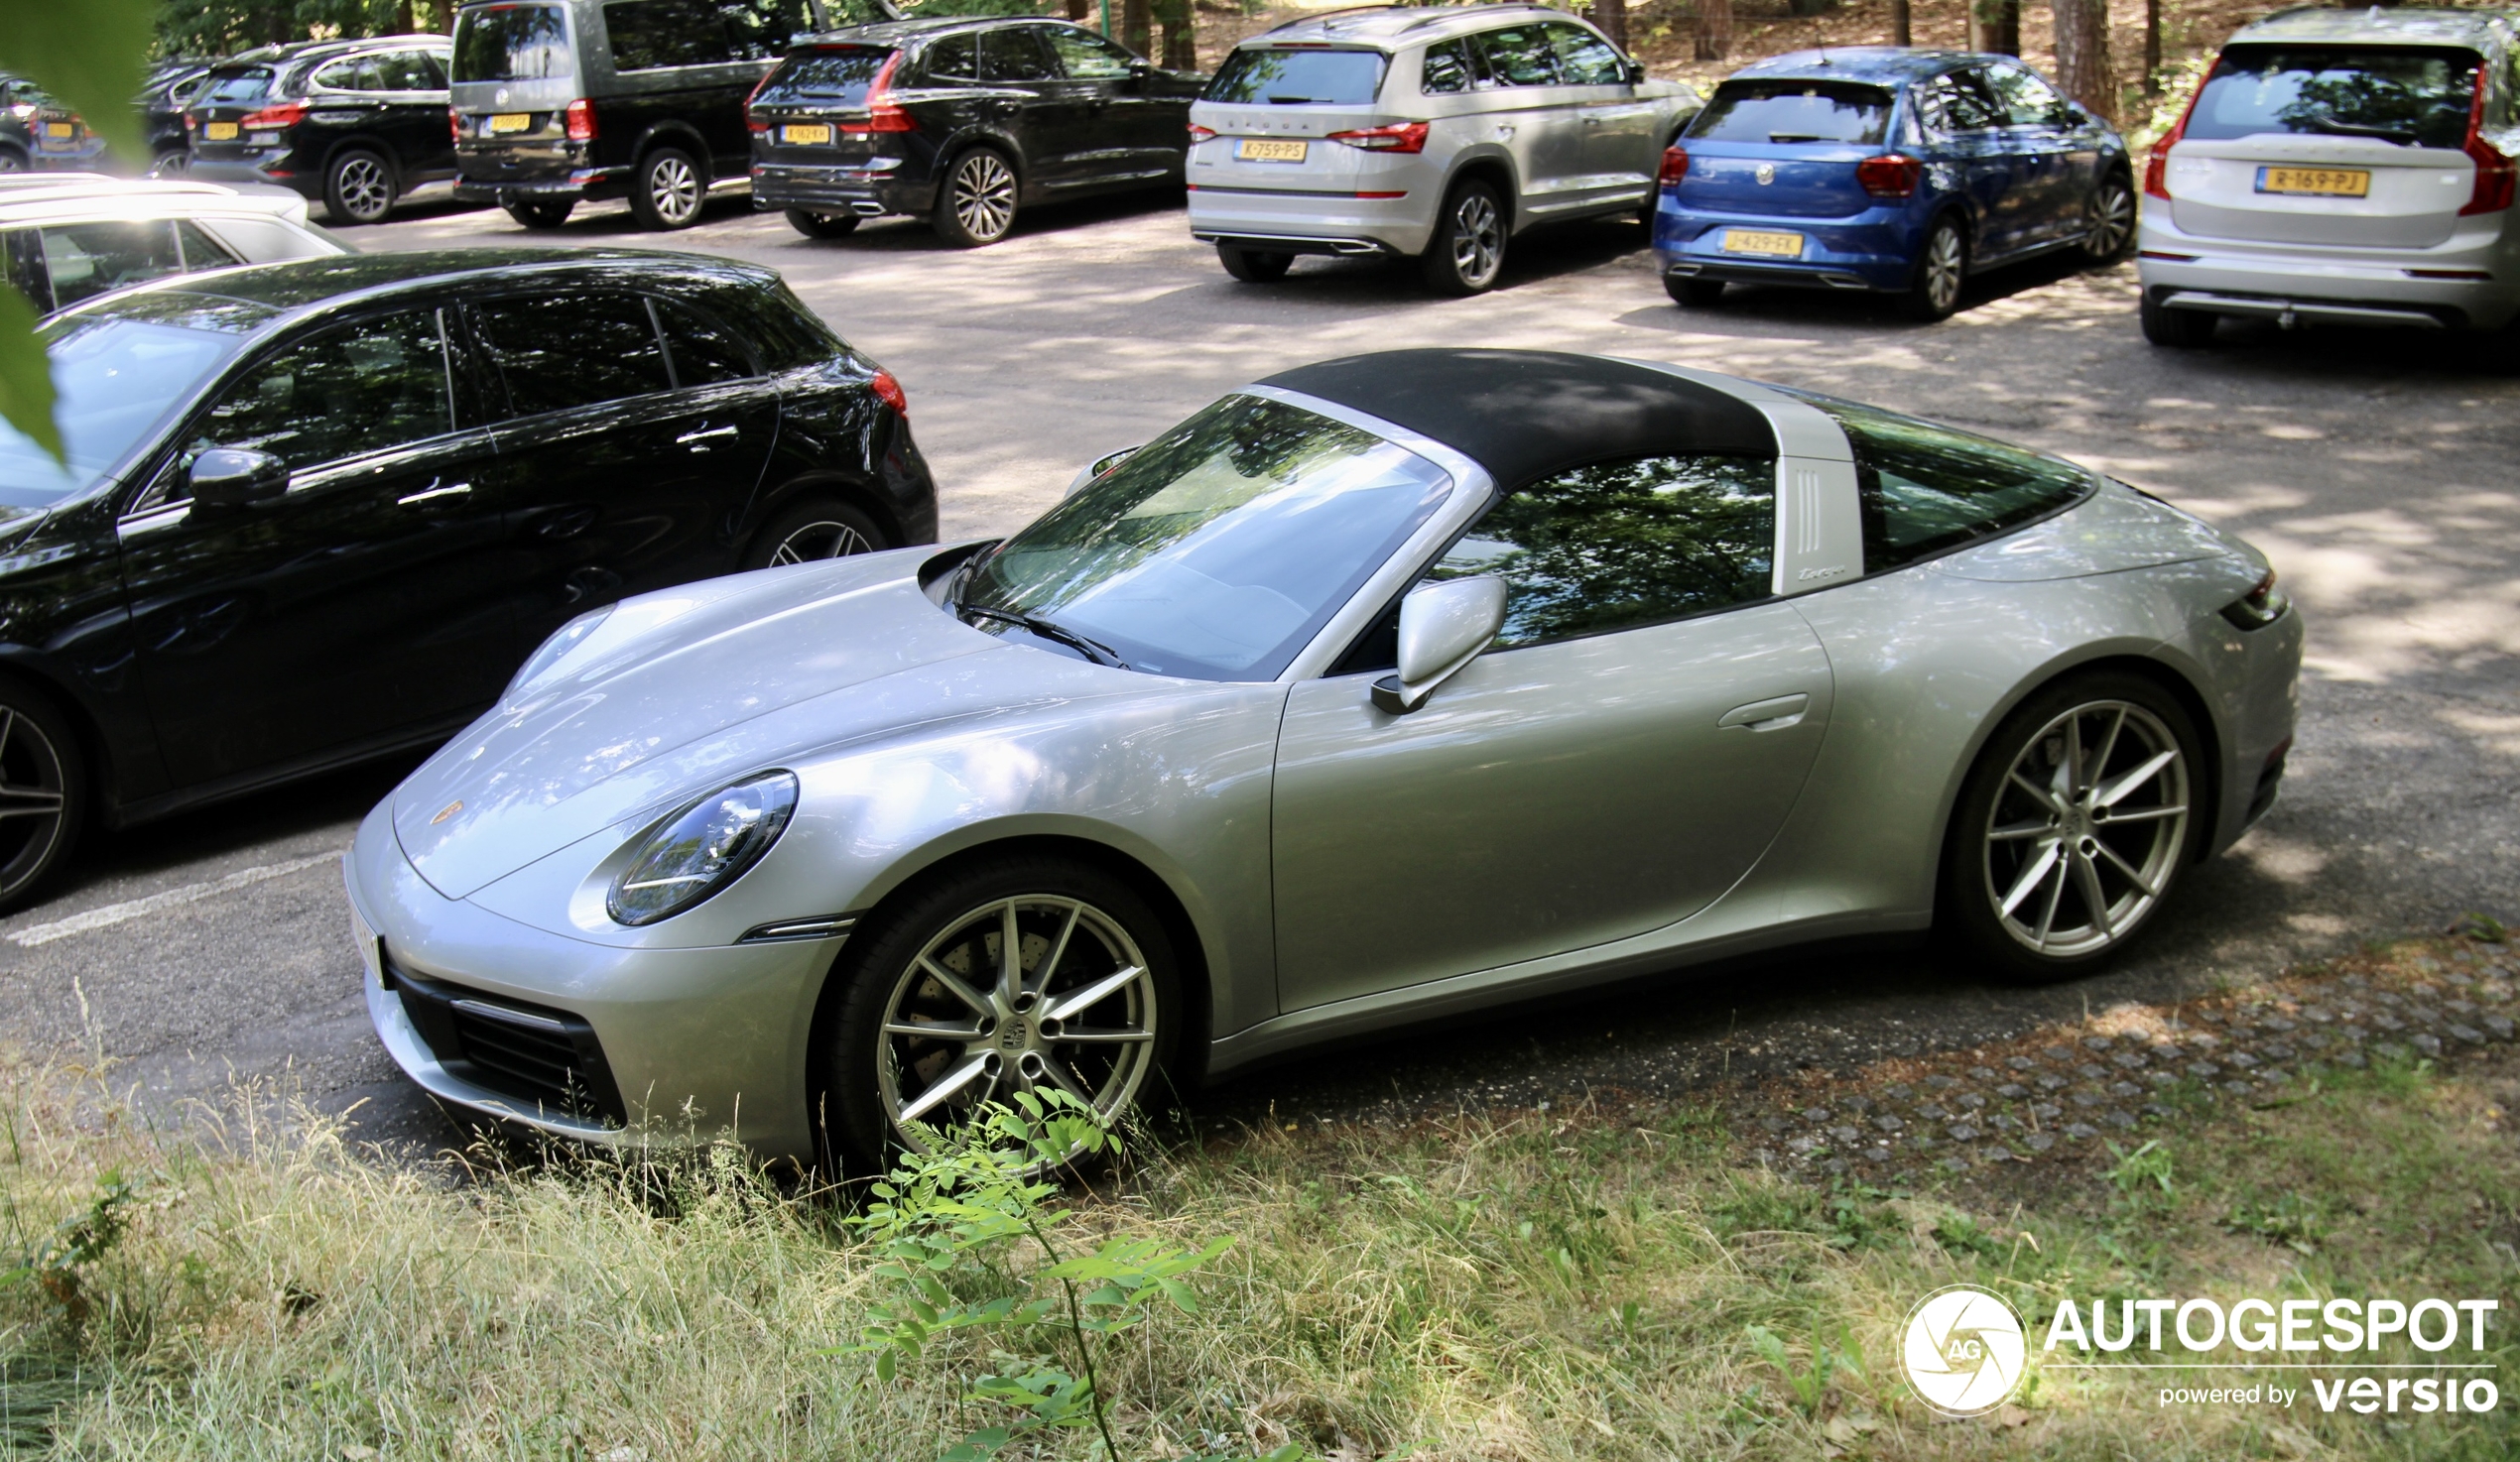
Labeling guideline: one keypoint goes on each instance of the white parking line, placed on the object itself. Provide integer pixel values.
(130, 909)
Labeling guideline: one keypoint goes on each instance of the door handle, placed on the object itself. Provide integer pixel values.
(692, 438)
(1768, 715)
(432, 492)
(1504, 133)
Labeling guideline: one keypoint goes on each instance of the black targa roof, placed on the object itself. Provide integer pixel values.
(1525, 414)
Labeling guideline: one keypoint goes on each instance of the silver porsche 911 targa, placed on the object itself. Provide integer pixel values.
(1385, 688)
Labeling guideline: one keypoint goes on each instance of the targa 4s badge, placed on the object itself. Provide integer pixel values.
(1963, 1351)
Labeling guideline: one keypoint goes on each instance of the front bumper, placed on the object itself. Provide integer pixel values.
(2469, 281)
(1304, 221)
(696, 1045)
(865, 192)
(1873, 250)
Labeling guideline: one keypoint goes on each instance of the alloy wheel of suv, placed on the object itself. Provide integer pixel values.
(42, 793)
(670, 190)
(1940, 270)
(978, 206)
(1467, 251)
(358, 187)
(812, 531)
(2109, 221)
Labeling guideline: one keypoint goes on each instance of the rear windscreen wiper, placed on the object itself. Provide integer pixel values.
(2402, 136)
(1799, 137)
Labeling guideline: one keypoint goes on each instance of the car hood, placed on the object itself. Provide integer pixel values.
(703, 683)
(2115, 528)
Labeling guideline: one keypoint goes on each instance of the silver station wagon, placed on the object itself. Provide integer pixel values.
(1435, 134)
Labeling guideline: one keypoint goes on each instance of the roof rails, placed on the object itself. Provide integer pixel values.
(1435, 14)
(1452, 10)
(1320, 15)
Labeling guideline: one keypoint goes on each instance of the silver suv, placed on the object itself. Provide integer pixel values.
(2340, 165)
(1433, 133)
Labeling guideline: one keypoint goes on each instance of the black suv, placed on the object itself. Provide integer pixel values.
(319, 511)
(354, 124)
(19, 102)
(962, 121)
(161, 106)
(559, 101)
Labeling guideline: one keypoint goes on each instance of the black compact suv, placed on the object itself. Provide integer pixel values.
(352, 124)
(320, 511)
(961, 121)
(556, 101)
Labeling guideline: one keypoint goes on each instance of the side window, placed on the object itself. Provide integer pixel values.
(362, 387)
(342, 76)
(557, 351)
(1086, 56)
(22, 257)
(86, 260)
(1519, 56)
(1584, 58)
(1928, 489)
(407, 70)
(1447, 68)
(955, 58)
(703, 351)
(2027, 101)
(1623, 543)
(200, 251)
(651, 34)
(433, 66)
(1015, 53)
(1955, 105)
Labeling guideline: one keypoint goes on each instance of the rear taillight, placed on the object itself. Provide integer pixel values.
(2493, 192)
(889, 391)
(454, 124)
(287, 114)
(2157, 165)
(579, 119)
(1399, 137)
(1198, 134)
(883, 114)
(757, 126)
(1675, 167)
(2259, 607)
(1890, 175)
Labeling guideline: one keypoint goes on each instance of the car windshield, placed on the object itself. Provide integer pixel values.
(2409, 95)
(236, 84)
(1218, 550)
(512, 43)
(1794, 111)
(837, 75)
(113, 380)
(1286, 77)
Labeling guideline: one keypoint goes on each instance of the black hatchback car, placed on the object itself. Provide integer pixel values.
(319, 511)
(351, 124)
(961, 121)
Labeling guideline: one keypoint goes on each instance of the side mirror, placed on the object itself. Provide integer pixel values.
(1095, 468)
(1636, 74)
(232, 478)
(1443, 627)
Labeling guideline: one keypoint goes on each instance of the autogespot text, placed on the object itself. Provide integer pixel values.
(2344, 1334)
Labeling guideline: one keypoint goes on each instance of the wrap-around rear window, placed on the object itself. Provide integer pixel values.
(1784, 110)
(1288, 76)
(2417, 97)
(839, 74)
(1926, 490)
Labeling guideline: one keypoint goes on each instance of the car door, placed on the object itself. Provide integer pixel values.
(1967, 128)
(1620, 148)
(2055, 166)
(356, 610)
(1124, 132)
(1532, 120)
(1621, 757)
(1048, 115)
(614, 478)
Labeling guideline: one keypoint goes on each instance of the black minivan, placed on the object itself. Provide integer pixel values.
(559, 101)
(352, 124)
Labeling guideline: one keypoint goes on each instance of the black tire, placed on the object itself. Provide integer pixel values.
(1942, 268)
(1467, 256)
(669, 192)
(813, 531)
(821, 225)
(1692, 294)
(855, 1060)
(2179, 329)
(2134, 851)
(978, 201)
(41, 768)
(12, 160)
(541, 215)
(1254, 265)
(2109, 221)
(169, 164)
(359, 186)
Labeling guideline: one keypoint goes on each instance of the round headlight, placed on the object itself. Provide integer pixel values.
(563, 639)
(703, 848)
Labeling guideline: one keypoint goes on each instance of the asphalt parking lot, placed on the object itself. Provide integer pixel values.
(2377, 471)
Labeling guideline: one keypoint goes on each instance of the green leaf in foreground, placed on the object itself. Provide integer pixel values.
(91, 54)
(25, 376)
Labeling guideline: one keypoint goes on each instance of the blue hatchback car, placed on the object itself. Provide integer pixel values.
(1886, 169)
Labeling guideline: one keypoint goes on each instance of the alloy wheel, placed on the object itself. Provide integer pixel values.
(1478, 239)
(985, 196)
(366, 191)
(2111, 221)
(674, 188)
(33, 800)
(816, 540)
(1945, 263)
(2086, 831)
(1035, 991)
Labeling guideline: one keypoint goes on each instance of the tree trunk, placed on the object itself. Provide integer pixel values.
(1081, 12)
(2082, 63)
(2152, 47)
(1180, 47)
(1611, 16)
(1902, 25)
(1995, 25)
(1714, 29)
(1137, 25)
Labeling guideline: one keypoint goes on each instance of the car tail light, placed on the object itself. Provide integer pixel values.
(1198, 134)
(2493, 189)
(581, 120)
(889, 391)
(1675, 167)
(1400, 137)
(454, 124)
(287, 114)
(2157, 165)
(883, 114)
(1890, 175)
(758, 127)
(2259, 607)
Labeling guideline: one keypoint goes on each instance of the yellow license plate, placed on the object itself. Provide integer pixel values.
(219, 131)
(511, 122)
(2324, 183)
(1270, 150)
(805, 132)
(1759, 241)
(58, 129)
